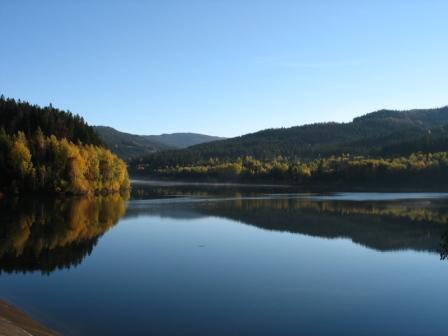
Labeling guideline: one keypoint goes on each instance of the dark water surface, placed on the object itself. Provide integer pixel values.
(229, 260)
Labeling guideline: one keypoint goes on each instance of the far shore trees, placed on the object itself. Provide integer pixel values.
(417, 169)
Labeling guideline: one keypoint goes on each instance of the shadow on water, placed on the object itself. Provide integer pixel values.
(48, 234)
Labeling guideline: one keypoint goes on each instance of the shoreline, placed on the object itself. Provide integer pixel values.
(14, 322)
(318, 188)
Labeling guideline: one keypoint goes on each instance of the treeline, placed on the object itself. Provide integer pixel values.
(16, 115)
(415, 170)
(46, 163)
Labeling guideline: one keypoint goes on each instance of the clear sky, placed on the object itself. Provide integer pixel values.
(224, 67)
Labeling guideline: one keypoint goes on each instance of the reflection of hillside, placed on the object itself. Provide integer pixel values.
(48, 234)
(416, 225)
(419, 211)
(378, 228)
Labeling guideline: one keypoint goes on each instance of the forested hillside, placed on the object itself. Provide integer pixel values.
(384, 148)
(45, 149)
(381, 133)
(128, 146)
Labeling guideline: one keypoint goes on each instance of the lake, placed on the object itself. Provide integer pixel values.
(181, 259)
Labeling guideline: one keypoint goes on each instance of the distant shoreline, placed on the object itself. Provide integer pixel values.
(198, 182)
(14, 322)
(151, 181)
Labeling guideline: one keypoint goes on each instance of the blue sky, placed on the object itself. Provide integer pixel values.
(224, 67)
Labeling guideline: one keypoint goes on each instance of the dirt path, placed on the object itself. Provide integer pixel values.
(14, 322)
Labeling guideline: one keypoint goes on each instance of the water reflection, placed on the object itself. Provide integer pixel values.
(231, 261)
(48, 234)
(405, 223)
(444, 246)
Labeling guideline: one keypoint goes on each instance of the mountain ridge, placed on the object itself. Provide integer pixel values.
(383, 132)
(130, 146)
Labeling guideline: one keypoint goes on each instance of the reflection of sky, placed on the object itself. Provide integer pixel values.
(350, 196)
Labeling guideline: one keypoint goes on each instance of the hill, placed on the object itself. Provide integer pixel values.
(129, 146)
(183, 140)
(385, 133)
(50, 150)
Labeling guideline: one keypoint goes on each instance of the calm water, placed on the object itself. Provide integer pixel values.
(229, 260)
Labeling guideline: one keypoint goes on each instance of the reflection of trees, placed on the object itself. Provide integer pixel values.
(204, 190)
(444, 246)
(382, 225)
(416, 210)
(419, 211)
(48, 234)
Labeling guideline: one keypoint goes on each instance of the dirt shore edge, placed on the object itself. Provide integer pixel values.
(14, 322)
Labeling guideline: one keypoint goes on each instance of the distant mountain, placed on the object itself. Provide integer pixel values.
(183, 140)
(385, 132)
(129, 146)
